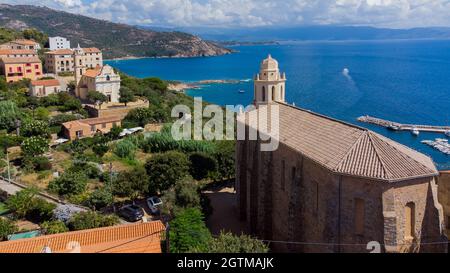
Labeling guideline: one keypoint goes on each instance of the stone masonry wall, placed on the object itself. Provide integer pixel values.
(444, 197)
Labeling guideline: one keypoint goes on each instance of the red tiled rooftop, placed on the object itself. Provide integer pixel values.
(51, 82)
(130, 238)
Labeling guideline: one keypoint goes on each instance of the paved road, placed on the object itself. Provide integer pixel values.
(8, 187)
(12, 188)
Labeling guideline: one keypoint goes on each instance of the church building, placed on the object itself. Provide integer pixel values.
(332, 186)
(102, 79)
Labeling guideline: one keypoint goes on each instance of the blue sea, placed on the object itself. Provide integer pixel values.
(403, 81)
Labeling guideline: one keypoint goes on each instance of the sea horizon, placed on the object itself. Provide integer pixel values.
(403, 81)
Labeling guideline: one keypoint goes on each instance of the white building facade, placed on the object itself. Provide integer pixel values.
(101, 79)
(57, 42)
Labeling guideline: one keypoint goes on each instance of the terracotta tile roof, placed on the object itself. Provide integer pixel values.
(130, 238)
(60, 52)
(90, 121)
(91, 50)
(17, 52)
(12, 60)
(51, 82)
(92, 73)
(24, 42)
(348, 149)
(446, 172)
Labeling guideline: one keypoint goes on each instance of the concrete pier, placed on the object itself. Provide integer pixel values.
(404, 127)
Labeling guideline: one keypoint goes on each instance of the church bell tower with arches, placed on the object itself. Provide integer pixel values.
(270, 84)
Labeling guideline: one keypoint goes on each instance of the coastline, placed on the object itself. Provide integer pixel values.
(126, 58)
(183, 86)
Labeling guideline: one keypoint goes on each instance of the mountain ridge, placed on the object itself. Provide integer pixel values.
(116, 40)
(314, 33)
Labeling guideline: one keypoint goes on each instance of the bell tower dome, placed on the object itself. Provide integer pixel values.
(269, 83)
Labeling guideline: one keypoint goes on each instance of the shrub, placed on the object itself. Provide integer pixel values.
(54, 227)
(69, 183)
(35, 146)
(185, 194)
(9, 113)
(95, 96)
(40, 163)
(125, 149)
(22, 202)
(81, 165)
(100, 149)
(188, 232)
(126, 95)
(7, 141)
(139, 116)
(35, 128)
(62, 118)
(91, 219)
(225, 156)
(7, 227)
(25, 204)
(100, 198)
(115, 132)
(131, 184)
(41, 210)
(164, 170)
(201, 165)
(163, 142)
(229, 243)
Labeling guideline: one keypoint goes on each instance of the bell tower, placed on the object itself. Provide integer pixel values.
(79, 67)
(269, 83)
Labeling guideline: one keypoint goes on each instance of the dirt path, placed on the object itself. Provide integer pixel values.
(225, 214)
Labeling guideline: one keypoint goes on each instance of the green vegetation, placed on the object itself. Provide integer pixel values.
(202, 165)
(100, 198)
(25, 204)
(126, 95)
(125, 149)
(184, 194)
(188, 231)
(91, 219)
(163, 142)
(229, 243)
(69, 183)
(34, 146)
(54, 227)
(97, 97)
(7, 227)
(164, 170)
(132, 183)
(9, 114)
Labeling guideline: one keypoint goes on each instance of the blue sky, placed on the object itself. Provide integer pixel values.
(251, 13)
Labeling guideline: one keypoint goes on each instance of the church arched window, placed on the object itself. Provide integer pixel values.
(108, 78)
(273, 93)
(264, 93)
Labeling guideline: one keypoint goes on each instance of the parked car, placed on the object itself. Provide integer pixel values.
(154, 203)
(131, 213)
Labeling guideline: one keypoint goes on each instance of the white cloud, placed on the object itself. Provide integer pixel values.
(382, 13)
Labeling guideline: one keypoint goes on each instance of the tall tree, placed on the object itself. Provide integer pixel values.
(97, 97)
(126, 95)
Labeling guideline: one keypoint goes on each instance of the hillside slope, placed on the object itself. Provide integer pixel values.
(116, 40)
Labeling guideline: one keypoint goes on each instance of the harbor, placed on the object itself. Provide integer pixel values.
(439, 144)
(415, 129)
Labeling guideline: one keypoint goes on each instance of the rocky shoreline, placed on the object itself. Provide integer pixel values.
(183, 86)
